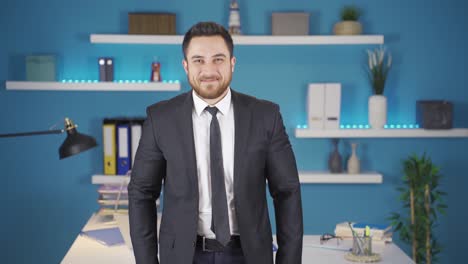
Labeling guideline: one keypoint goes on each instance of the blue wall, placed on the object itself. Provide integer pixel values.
(46, 201)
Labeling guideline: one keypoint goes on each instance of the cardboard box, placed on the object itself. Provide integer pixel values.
(41, 68)
(295, 23)
(152, 23)
(434, 114)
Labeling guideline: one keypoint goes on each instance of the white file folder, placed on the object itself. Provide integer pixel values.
(316, 106)
(332, 105)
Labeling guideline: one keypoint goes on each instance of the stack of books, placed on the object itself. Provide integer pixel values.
(112, 199)
(113, 194)
(378, 232)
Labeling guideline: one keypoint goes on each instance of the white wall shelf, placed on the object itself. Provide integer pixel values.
(382, 133)
(304, 177)
(340, 178)
(110, 179)
(243, 40)
(93, 86)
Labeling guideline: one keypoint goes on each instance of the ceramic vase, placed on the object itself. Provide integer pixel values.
(354, 166)
(334, 161)
(377, 111)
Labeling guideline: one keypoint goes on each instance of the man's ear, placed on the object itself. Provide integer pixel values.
(185, 65)
(233, 63)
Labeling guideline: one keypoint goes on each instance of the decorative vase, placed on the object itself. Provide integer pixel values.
(334, 161)
(353, 162)
(377, 111)
(347, 28)
(234, 19)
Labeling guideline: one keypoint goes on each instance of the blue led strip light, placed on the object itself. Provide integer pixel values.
(366, 126)
(116, 81)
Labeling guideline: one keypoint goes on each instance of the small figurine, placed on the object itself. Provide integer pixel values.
(155, 71)
(234, 19)
(106, 69)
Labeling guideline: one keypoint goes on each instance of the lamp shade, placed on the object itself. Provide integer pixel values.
(75, 142)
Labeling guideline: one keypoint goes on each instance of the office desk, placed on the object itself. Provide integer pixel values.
(87, 251)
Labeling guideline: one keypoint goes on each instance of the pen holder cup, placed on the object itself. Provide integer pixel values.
(362, 246)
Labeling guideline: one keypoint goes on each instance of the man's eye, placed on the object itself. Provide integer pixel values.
(197, 61)
(219, 60)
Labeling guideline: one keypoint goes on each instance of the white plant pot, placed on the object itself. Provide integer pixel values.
(347, 28)
(377, 111)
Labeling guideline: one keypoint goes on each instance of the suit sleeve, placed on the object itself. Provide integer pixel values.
(284, 186)
(143, 191)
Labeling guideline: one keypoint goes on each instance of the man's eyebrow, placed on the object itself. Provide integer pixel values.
(197, 57)
(220, 55)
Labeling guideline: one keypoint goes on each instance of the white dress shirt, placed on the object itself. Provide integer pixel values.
(201, 131)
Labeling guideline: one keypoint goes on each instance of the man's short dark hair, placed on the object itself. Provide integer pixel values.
(207, 29)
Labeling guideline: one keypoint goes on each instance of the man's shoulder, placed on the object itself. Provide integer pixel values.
(169, 105)
(256, 103)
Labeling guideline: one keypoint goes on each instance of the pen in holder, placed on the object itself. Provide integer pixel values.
(362, 247)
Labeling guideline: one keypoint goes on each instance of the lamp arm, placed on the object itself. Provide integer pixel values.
(57, 131)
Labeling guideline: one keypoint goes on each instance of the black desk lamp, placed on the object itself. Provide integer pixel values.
(73, 144)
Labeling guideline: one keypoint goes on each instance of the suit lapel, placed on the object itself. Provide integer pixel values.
(185, 126)
(242, 117)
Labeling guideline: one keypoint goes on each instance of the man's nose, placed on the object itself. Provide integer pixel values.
(209, 67)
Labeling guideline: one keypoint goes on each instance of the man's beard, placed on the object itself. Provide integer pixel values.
(209, 91)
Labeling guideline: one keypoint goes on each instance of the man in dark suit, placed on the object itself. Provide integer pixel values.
(214, 150)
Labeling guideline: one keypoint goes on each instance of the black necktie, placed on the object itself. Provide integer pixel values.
(219, 210)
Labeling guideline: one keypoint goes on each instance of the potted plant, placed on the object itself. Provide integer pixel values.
(349, 24)
(422, 198)
(380, 63)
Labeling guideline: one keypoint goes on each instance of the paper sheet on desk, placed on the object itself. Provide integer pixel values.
(107, 236)
(330, 247)
(333, 244)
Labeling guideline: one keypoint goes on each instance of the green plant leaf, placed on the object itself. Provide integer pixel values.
(420, 172)
(401, 189)
(398, 226)
(350, 13)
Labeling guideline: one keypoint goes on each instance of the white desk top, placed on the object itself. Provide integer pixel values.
(87, 251)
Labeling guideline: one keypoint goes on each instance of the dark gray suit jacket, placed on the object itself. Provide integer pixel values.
(262, 152)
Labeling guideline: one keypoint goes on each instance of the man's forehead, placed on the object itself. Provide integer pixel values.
(207, 46)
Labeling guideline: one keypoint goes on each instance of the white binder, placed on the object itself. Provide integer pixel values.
(332, 105)
(316, 106)
(136, 135)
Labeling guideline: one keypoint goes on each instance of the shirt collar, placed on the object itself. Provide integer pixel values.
(223, 105)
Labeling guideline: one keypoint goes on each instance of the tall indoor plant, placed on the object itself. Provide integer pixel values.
(422, 196)
(379, 63)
